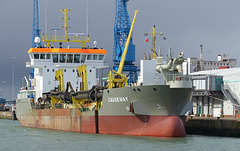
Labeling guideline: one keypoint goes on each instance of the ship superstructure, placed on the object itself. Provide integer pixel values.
(46, 61)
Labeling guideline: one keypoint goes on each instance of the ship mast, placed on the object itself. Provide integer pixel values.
(153, 33)
(81, 40)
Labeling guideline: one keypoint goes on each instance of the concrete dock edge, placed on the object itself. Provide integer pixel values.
(228, 127)
(6, 115)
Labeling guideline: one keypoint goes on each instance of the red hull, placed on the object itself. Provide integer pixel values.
(159, 126)
(64, 119)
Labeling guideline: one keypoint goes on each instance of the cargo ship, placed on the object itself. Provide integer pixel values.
(86, 106)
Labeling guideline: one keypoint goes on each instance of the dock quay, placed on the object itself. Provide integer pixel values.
(6, 115)
(213, 126)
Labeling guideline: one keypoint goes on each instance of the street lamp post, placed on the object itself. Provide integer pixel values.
(13, 77)
(4, 87)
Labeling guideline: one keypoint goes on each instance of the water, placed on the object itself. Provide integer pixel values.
(13, 137)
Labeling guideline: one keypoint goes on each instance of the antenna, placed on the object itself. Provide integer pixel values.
(87, 17)
(45, 17)
(76, 34)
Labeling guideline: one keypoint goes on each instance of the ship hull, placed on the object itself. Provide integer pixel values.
(146, 113)
(141, 125)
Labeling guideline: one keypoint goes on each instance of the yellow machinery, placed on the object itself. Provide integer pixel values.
(117, 79)
(153, 40)
(81, 40)
(84, 99)
(82, 73)
(87, 99)
(59, 75)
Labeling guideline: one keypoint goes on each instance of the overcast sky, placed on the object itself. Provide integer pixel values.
(185, 23)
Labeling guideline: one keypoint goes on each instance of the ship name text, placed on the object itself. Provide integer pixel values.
(118, 99)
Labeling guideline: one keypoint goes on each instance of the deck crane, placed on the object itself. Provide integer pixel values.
(117, 79)
(36, 28)
(121, 31)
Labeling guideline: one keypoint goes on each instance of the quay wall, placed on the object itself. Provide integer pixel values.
(6, 115)
(228, 127)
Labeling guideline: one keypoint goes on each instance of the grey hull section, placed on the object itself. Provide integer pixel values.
(145, 100)
(139, 100)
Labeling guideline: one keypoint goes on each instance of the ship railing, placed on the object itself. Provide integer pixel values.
(69, 38)
(178, 77)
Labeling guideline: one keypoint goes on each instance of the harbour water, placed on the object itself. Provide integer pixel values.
(13, 137)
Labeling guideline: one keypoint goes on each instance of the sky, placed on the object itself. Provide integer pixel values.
(185, 23)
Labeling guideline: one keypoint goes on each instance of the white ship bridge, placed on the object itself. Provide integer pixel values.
(45, 61)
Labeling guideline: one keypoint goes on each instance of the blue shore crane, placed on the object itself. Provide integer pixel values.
(121, 30)
(36, 28)
(35, 33)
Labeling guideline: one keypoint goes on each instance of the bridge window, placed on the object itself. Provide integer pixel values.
(62, 58)
(94, 57)
(36, 56)
(42, 56)
(48, 56)
(69, 58)
(100, 57)
(89, 57)
(55, 58)
(83, 58)
(76, 58)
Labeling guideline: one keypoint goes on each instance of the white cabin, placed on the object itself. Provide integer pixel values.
(45, 61)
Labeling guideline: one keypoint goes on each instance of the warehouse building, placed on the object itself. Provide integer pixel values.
(217, 93)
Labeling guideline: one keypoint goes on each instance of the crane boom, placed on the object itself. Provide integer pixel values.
(117, 79)
(122, 27)
(120, 68)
